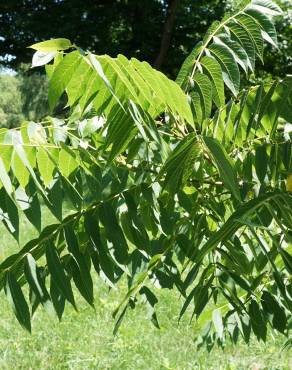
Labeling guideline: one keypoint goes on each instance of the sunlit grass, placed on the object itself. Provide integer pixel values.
(84, 339)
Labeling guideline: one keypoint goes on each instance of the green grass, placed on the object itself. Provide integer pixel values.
(84, 340)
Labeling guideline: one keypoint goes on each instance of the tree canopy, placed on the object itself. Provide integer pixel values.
(130, 27)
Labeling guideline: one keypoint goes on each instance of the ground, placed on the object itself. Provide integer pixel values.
(84, 339)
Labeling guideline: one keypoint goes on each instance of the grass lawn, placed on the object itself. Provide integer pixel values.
(84, 340)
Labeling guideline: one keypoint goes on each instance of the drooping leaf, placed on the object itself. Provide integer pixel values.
(187, 66)
(229, 66)
(17, 300)
(45, 166)
(67, 162)
(268, 28)
(5, 179)
(62, 76)
(266, 6)
(236, 49)
(180, 164)
(58, 274)
(213, 70)
(254, 31)
(203, 87)
(114, 232)
(36, 283)
(241, 35)
(81, 271)
(224, 164)
(272, 306)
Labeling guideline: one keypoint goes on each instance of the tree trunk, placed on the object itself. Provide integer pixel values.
(167, 32)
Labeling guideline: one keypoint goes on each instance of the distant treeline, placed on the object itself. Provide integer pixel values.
(22, 97)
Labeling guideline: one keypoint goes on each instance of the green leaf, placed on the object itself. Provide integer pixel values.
(266, 6)
(186, 69)
(151, 302)
(286, 87)
(20, 171)
(196, 105)
(214, 72)
(113, 68)
(254, 111)
(121, 131)
(62, 76)
(265, 102)
(30, 205)
(6, 152)
(170, 94)
(235, 221)
(97, 66)
(58, 274)
(229, 66)
(203, 87)
(224, 164)
(16, 299)
(51, 67)
(269, 32)
(67, 162)
(45, 165)
(79, 83)
(145, 95)
(52, 45)
(5, 179)
(57, 298)
(81, 272)
(287, 259)
(114, 232)
(254, 31)
(119, 320)
(261, 162)
(239, 34)
(188, 301)
(19, 149)
(235, 48)
(180, 164)
(201, 299)
(257, 321)
(36, 283)
(271, 306)
(99, 254)
(9, 209)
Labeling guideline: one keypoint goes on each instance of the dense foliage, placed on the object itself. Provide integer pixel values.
(181, 184)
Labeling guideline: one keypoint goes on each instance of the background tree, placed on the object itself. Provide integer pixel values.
(10, 102)
(133, 28)
(23, 96)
